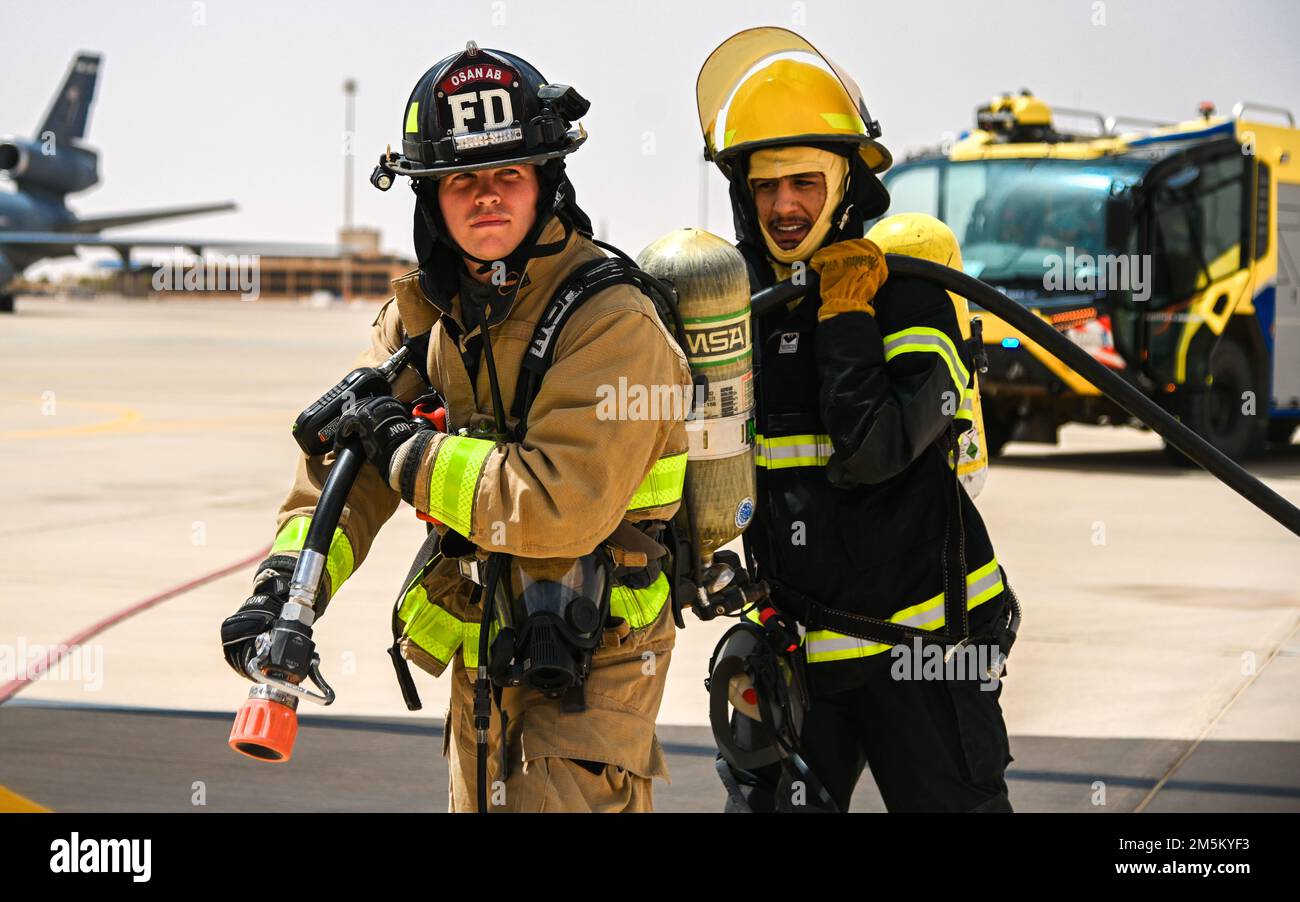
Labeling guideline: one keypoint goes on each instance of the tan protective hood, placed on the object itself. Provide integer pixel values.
(777, 162)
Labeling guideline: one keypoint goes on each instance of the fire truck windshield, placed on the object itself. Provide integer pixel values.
(1017, 218)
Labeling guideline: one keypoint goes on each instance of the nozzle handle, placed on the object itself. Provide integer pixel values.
(325, 697)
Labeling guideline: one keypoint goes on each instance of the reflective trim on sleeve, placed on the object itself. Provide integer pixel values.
(339, 562)
(792, 451)
(982, 584)
(967, 409)
(456, 469)
(662, 485)
(934, 341)
(639, 607)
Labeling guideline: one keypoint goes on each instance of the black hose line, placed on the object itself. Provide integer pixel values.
(482, 681)
(348, 461)
(1112, 386)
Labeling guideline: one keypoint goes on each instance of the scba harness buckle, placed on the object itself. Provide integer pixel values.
(471, 568)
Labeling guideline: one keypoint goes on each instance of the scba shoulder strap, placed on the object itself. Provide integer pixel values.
(582, 284)
(418, 356)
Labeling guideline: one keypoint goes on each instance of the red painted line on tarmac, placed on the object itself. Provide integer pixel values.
(58, 652)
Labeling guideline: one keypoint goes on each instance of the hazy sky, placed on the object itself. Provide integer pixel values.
(233, 100)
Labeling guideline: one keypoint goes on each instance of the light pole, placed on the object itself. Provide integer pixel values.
(349, 128)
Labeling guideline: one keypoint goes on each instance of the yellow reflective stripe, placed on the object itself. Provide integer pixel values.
(412, 117)
(982, 584)
(935, 341)
(469, 630)
(662, 485)
(792, 451)
(845, 121)
(438, 631)
(967, 409)
(430, 626)
(339, 562)
(456, 470)
(639, 607)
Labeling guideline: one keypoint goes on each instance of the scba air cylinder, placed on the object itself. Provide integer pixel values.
(712, 285)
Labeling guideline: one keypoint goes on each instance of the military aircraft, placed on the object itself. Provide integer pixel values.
(35, 220)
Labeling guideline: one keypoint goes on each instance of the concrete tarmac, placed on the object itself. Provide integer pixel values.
(146, 444)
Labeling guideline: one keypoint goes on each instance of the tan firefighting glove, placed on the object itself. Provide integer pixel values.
(851, 274)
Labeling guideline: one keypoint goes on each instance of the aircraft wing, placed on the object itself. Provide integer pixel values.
(124, 242)
(113, 220)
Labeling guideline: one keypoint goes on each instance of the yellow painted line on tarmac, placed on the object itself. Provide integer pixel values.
(12, 803)
(209, 424)
(130, 421)
(126, 416)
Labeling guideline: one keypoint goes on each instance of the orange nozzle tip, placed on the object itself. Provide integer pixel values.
(264, 730)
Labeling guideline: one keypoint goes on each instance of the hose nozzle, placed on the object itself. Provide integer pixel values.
(266, 725)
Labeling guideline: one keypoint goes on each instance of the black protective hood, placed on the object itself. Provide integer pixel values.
(865, 197)
(441, 258)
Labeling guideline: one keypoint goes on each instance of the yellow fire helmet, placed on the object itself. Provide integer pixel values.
(922, 236)
(776, 88)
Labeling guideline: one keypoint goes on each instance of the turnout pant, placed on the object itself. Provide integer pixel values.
(932, 745)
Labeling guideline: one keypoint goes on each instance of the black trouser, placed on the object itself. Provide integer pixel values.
(932, 745)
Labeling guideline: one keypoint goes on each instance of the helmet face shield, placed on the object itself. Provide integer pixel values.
(757, 705)
(749, 679)
(768, 86)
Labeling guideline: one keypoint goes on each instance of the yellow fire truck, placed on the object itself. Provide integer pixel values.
(1170, 252)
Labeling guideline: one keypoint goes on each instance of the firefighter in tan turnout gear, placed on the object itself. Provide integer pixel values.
(567, 503)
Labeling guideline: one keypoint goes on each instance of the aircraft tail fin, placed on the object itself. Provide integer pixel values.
(69, 113)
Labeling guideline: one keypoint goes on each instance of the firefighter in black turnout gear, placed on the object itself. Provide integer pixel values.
(862, 530)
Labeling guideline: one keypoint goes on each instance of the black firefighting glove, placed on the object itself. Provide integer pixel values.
(383, 425)
(258, 614)
(728, 585)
